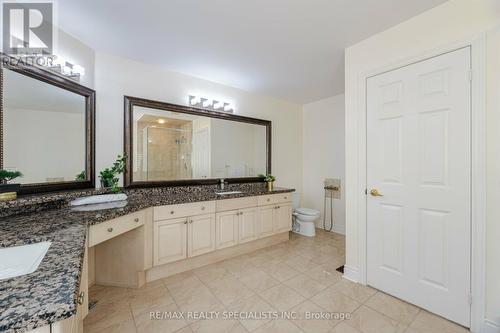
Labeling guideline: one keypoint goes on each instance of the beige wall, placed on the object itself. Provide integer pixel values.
(116, 77)
(323, 147)
(454, 21)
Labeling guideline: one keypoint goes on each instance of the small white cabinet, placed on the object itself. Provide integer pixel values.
(248, 225)
(275, 219)
(283, 219)
(266, 220)
(201, 234)
(227, 229)
(170, 240)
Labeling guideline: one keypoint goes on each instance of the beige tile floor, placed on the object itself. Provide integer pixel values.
(296, 277)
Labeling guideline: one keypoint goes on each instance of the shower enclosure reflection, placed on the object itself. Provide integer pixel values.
(171, 146)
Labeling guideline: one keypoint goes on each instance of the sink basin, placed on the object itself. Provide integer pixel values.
(21, 260)
(228, 192)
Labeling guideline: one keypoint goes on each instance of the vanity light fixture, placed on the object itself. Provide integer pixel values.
(207, 103)
(210, 104)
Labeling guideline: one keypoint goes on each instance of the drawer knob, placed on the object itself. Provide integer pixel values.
(203, 208)
(286, 198)
(81, 298)
(171, 212)
(268, 199)
(110, 229)
(136, 219)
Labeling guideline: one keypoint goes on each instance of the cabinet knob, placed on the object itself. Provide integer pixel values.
(268, 199)
(136, 219)
(286, 198)
(110, 229)
(171, 212)
(186, 222)
(81, 298)
(203, 208)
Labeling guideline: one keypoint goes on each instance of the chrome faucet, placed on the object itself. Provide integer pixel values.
(222, 184)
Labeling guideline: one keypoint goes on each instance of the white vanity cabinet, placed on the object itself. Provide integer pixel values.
(248, 224)
(201, 234)
(183, 231)
(227, 229)
(169, 241)
(275, 219)
(283, 218)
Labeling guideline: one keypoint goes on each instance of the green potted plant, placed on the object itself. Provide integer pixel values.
(269, 179)
(81, 177)
(109, 176)
(9, 191)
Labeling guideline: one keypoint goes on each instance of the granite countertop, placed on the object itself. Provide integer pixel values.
(49, 294)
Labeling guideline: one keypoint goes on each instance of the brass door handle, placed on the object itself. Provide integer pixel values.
(375, 193)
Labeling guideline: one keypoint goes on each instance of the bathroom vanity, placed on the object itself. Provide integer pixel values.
(160, 232)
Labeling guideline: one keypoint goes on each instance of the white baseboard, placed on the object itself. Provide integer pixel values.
(490, 327)
(339, 229)
(351, 274)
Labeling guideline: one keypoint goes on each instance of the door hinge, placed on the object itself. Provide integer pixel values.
(470, 74)
(366, 191)
(470, 299)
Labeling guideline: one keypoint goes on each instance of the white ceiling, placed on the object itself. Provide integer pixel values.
(289, 49)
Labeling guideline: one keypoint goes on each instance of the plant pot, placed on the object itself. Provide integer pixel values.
(8, 192)
(270, 186)
(109, 183)
(6, 188)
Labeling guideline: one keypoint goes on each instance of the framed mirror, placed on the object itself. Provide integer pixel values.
(47, 128)
(170, 144)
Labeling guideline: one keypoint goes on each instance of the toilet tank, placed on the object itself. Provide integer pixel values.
(296, 200)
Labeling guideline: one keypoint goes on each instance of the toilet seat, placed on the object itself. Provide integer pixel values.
(306, 211)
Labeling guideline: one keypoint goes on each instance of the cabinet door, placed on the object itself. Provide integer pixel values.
(201, 234)
(170, 241)
(266, 218)
(248, 224)
(283, 218)
(226, 229)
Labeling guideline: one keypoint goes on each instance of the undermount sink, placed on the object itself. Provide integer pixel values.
(21, 260)
(228, 192)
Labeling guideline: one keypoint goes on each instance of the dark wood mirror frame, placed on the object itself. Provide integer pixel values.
(67, 84)
(130, 102)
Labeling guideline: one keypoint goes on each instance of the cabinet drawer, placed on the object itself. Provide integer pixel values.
(274, 199)
(101, 232)
(183, 210)
(238, 203)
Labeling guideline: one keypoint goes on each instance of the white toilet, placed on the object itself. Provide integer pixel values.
(304, 219)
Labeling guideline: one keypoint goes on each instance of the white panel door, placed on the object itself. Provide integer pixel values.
(226, 229)
(248, 225)
(169, 242)
(201, 234)
(418, 158)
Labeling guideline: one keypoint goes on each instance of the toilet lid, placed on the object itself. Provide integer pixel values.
(307, 211)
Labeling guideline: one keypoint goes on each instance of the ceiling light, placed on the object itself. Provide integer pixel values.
(161, 121)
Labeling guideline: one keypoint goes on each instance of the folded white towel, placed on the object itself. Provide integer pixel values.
(96, 199)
